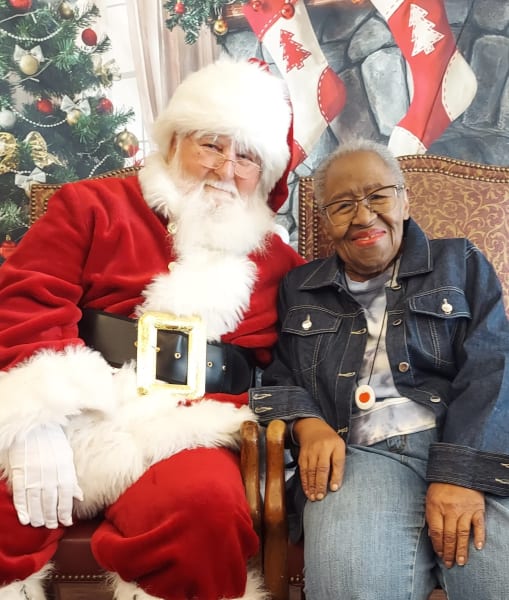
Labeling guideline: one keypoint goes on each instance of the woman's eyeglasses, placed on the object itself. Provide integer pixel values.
(379, 201)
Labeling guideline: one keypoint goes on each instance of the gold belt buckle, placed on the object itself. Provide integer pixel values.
(148, 326)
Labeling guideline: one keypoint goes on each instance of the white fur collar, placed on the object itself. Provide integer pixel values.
(214, 286)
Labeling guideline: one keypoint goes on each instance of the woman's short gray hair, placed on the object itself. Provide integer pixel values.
(357, 145)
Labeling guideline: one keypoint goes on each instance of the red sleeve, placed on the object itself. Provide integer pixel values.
(258, 327)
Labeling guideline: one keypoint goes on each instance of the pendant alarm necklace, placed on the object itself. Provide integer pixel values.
(365, 396)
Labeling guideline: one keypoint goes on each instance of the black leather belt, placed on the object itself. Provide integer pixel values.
(230, 368)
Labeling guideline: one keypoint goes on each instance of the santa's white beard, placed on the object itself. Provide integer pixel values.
(213, 216)
(216, 229)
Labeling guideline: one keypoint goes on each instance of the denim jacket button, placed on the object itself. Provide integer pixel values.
(307, 323)
(446, 307)
(403, 367)
(435, 399)
(397, 322)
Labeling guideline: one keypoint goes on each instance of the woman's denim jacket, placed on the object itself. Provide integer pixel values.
(447, 343)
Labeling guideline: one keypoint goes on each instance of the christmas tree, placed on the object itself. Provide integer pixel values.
(57, 123)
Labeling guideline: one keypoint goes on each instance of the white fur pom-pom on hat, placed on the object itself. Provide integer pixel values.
(240, 99)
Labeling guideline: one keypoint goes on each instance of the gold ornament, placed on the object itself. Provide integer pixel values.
(220, 26)
(73, 116)
(65, 10)
(28, 64)
(8, 154)
(39, 150)
(107, 72)
(127, 142)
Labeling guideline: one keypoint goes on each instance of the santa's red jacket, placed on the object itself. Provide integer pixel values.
(101, 246)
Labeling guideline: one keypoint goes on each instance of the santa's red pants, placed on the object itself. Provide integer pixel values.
(24, 550)
(182, 531)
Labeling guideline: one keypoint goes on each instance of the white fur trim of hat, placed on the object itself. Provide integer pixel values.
(236, 98)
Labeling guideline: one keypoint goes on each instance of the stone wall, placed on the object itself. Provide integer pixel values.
(360, 48)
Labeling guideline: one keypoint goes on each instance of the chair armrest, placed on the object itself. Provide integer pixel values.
(250, 469)
(275, 553)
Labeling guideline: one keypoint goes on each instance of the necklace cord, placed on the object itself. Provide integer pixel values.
(391, 283)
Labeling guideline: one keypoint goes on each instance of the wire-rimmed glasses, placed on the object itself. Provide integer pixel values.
(243, 167)
(379, 201)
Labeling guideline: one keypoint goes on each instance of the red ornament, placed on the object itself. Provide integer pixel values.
(89, 37)
(180, 9)
(256, 5)
(132, 150)
(44, 105)
(105, 106)
(20, 4)
(7, 247)
(288, 10)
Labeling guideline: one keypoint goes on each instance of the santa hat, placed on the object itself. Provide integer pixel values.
(241, 99)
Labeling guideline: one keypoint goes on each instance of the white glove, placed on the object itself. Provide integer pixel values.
(43, 477)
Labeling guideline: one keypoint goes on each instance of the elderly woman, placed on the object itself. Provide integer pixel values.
(392, 371)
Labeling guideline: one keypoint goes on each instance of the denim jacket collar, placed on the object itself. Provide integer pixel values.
(414, 261)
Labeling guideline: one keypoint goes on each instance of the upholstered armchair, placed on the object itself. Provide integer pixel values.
(448, 198)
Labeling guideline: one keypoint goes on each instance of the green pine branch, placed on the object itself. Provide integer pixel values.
(196, 13)
(66, 147)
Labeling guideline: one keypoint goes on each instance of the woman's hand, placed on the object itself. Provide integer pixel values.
(452, 513)
(321, 457)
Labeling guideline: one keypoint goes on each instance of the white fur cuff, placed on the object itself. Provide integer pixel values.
(52, 386)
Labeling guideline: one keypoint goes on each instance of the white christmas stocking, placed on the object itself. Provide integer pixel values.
(316, 92)
(443, 83)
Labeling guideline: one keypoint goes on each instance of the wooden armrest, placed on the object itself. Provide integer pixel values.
(276, 526)
(250, 468)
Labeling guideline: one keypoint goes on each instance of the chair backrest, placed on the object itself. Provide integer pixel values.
(448, 198)
(40, 193)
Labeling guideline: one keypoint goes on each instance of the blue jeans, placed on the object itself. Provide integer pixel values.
(369, 540)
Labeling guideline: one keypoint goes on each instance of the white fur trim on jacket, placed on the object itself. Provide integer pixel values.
(31, 588)
(113, 451)
(51, 387)
(130, 591)
(213, 286)
(114, 447)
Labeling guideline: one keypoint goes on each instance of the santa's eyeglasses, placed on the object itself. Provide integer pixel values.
(211, 158)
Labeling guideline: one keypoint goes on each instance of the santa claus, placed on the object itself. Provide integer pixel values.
(188, 245)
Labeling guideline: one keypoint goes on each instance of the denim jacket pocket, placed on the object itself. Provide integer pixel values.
(437, 315)
(311, 331)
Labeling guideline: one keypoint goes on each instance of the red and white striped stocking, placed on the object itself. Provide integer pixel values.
(443, 83)
(316, 92)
